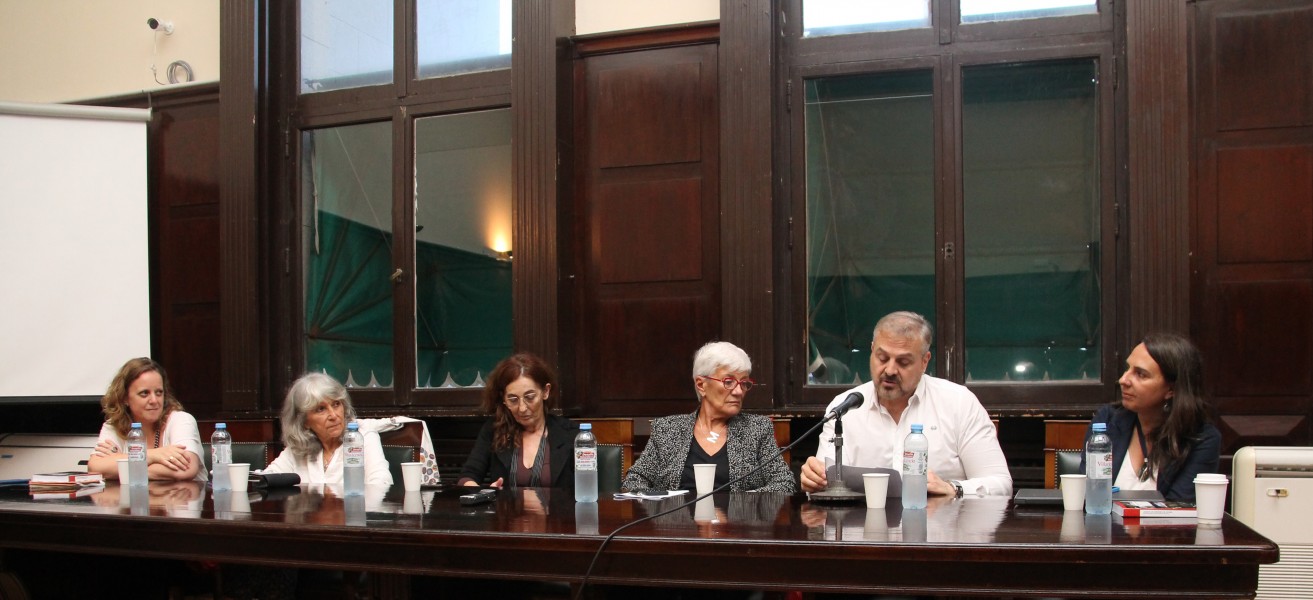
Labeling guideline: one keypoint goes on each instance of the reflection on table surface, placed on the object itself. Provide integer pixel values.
(736, 516)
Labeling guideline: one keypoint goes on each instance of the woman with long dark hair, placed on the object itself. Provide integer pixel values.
(1161, 430)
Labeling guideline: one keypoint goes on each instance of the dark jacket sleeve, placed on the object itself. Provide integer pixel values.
(480, 463)
(1203, 457)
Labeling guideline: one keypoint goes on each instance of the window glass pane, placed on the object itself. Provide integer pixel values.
(838, 17)
(870, 213)
(980, 11)
(462, 246)
(463, 36)
(347, 248)
(345, 44)
(1030, 160)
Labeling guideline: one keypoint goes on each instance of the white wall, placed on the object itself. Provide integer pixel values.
(65, 50)
(595, 16)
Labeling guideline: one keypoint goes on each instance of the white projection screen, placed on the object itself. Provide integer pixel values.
(75, 297)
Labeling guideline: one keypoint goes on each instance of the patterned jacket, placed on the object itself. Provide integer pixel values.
(751, 442)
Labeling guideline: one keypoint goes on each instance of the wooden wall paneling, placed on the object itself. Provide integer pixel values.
(750, 247)
(1269, 80)
(1252, 288)
(240, 157)
(1158, 119)
(540, 114)
(648, 218)
(185, 218)
(1265, 190)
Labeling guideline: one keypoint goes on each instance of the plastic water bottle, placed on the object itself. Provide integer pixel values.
(1098, 471)
(221, 455)
(916, 462)
(136, 445)
(353, 465)
(585, 464)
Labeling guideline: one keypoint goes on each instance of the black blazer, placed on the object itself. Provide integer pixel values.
(486, 466)
(1175, 481)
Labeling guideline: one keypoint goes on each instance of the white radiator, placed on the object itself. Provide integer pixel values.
(1272, 492)
(23, 454)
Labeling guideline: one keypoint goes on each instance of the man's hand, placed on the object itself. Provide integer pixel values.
(812, 475)
(938, 487)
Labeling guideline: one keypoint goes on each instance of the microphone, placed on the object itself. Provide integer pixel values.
(852, 401)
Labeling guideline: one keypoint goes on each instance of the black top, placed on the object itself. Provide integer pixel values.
(1175, 481)
(486, 466)
(698, 456)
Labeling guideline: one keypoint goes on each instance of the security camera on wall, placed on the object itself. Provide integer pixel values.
(157, 25)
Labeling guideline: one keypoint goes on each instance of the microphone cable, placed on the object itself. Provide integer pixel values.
(584, 583)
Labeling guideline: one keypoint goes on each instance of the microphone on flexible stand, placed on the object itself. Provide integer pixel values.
(835, 489)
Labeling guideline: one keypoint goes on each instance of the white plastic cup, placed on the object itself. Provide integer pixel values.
(1210, 496)
(1073, 492)
(877, 488)
(124, 473)
(411, 472)
(705, 477)
(238, 474)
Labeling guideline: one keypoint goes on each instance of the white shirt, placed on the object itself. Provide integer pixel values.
(1127, 480)
(963, 441)
(180, 429)
(313, 471)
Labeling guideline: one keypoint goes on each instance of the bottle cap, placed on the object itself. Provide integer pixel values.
(917, 427)
(220, 425)
(136, 425)
(353, 426)
(1099, 427)
(585, 426)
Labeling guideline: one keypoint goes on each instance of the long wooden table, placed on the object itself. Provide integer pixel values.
(974, 546)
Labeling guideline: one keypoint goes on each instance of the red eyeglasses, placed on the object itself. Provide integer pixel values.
(730, 382)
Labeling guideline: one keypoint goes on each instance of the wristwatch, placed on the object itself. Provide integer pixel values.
(957, 486)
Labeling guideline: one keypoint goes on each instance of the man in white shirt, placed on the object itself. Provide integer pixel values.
(965, 457)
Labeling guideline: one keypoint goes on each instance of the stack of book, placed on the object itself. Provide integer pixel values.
(66, 484)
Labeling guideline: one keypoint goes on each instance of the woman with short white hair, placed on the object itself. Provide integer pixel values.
(716, 432)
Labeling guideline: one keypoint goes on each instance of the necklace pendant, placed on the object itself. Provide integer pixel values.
(712, 436)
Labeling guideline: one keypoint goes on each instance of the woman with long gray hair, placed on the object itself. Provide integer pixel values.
(315, 414)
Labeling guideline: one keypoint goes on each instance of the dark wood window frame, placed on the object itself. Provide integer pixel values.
(262, 42)
(947, 47)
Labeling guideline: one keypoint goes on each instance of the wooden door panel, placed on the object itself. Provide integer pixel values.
(1264, 212)
(1265, 338)
(1252, 245)
(648, 215)
(649, 231)
(649, 114)
(1254, 90)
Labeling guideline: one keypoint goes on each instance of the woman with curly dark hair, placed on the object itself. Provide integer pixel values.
(522, 445)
